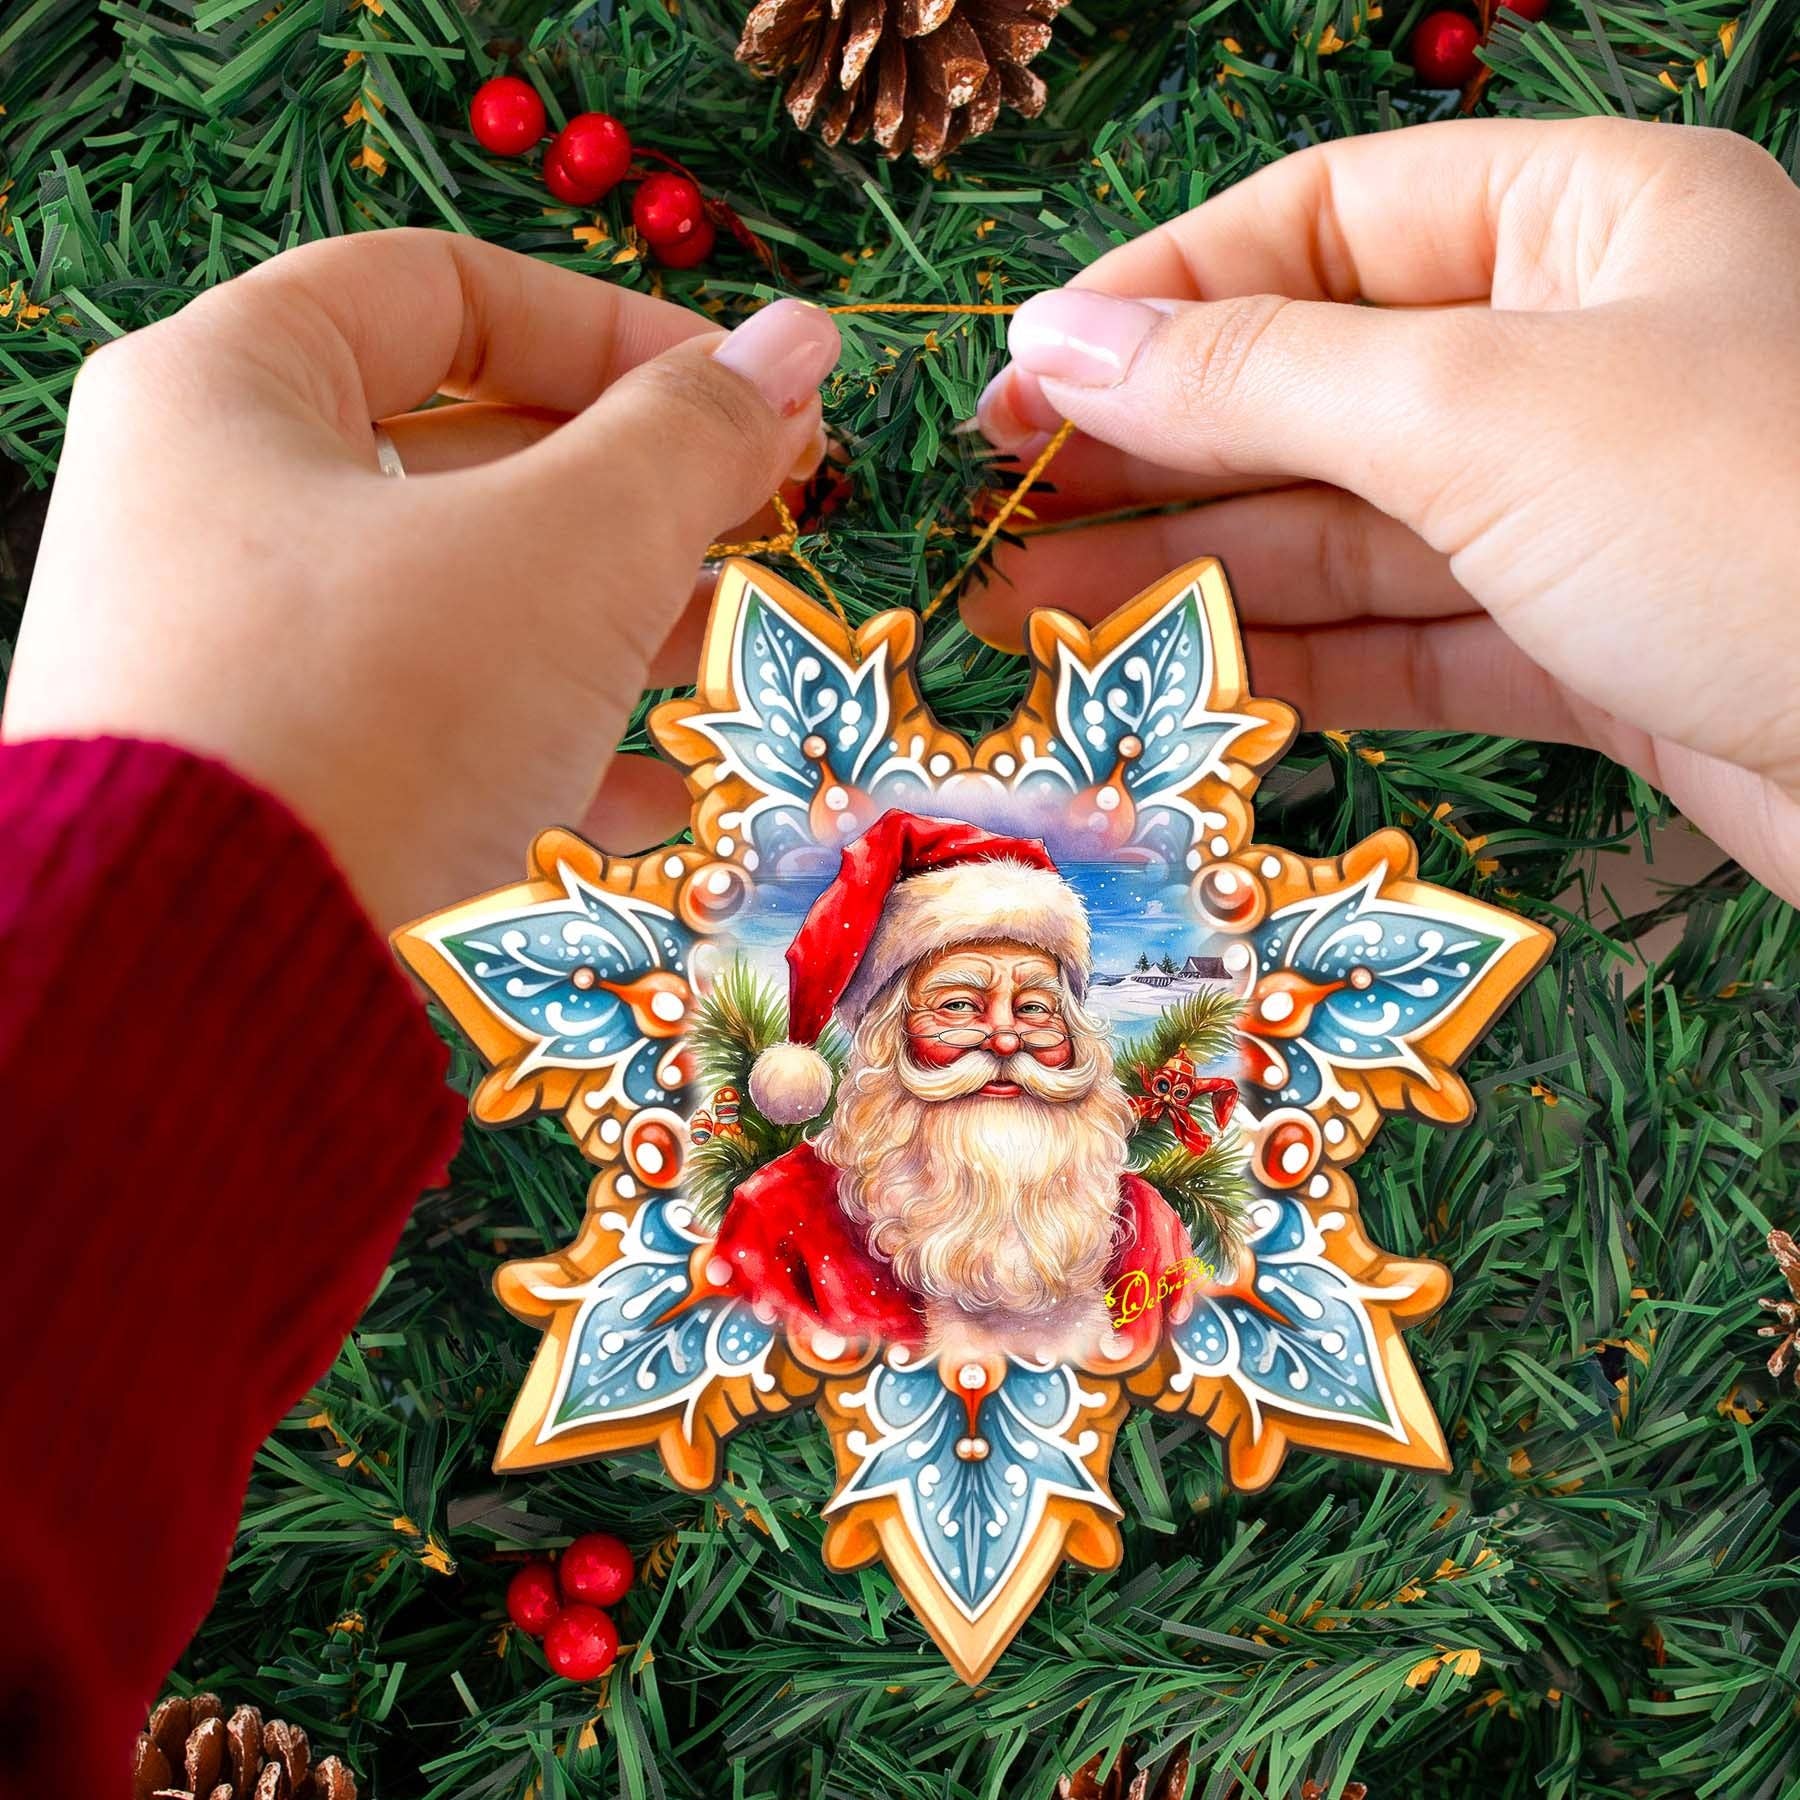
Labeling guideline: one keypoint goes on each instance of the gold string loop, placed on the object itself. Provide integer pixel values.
(787, 541)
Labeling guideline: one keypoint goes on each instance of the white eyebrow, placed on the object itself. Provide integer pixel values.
(975, 972)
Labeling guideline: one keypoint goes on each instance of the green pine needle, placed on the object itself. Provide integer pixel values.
(740, 1015)
(714, 1169)
(1209, 1192)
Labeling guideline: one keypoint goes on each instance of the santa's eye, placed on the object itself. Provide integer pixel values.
(963, 1005)
(1036, 1009)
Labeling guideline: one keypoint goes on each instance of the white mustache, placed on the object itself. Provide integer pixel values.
(974, 1069)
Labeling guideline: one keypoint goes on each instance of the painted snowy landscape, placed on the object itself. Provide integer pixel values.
(1140, 994)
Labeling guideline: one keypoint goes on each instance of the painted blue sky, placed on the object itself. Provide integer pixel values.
(1131, 910)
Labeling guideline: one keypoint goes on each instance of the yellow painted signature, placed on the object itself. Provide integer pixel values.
(1133, 1295)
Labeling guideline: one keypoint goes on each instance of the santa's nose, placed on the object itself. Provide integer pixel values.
(1003, 1043)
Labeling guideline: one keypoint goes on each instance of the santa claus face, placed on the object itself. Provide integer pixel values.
(979, 1136)
(994, 1000)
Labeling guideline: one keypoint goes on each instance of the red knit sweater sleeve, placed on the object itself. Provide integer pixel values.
(218, 1101)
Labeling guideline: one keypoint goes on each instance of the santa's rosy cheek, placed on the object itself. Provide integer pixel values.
(1056, 1056)
(926, 1049)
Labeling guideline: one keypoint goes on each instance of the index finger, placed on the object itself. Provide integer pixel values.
(1399, 218)
(364, 326)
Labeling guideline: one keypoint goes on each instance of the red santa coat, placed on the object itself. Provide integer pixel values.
(791, 1247)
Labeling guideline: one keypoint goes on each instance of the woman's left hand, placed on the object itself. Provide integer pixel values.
(429, 670)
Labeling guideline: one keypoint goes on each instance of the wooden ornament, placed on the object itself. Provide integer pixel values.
(1134, 757)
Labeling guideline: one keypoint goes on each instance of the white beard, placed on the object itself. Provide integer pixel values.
(999, 1213)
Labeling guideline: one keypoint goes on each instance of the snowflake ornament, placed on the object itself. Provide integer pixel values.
(1132, 761)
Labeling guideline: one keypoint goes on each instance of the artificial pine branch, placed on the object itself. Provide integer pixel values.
(1623, 1561)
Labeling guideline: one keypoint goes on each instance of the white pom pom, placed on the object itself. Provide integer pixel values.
(790, 1083)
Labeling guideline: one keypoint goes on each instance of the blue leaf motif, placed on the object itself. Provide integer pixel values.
(1307, 1343)
(549, 971)
(790, 687)
(629, 1354)
(973, 1515)
(1396, 971)
(1154, 688)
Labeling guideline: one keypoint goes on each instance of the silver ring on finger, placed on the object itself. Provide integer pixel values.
(387, 457)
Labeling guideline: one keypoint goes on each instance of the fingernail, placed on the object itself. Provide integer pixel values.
(1013, 412)
(784, 352)
(1079, 335)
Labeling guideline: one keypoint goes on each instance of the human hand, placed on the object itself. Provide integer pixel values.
(430, 670)
(1547, 484)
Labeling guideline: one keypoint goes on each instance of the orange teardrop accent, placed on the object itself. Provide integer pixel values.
(1281, 1004)
(658, 1002)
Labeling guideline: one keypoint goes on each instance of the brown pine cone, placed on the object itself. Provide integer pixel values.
(1125, 1780)
(192, 1751)
(1786, 1329)
(919, 75)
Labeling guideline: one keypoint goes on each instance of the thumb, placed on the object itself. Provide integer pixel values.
(692, 441)
(1258, 386)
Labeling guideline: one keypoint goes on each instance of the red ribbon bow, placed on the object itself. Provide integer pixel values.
(1169, 1093)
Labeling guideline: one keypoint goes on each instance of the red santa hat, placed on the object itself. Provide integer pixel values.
(908, 886)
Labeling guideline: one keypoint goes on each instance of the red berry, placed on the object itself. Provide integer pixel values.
(587, 158)
(1443, 49)
(582, 1643)
(595, 1570)
(688, 251)
(1527, 9)
(667, 210)
(532, 1602)
(506, 116)
(561, 183)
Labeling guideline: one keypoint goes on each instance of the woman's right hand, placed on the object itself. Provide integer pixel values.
(1545, 483)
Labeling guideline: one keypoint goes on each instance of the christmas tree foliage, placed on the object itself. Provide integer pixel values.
(1602, 1598)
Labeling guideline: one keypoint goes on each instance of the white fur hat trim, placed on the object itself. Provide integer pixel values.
(991, 901)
